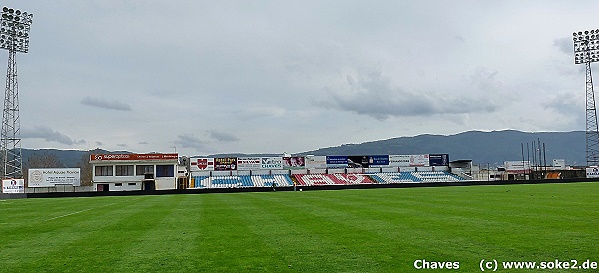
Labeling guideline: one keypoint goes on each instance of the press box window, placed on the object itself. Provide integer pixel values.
(144, 169)
(104, 171)
(126, 170)
(165, 171)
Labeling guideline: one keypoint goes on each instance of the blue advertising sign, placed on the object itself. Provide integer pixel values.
(378, 160)
(336, 161)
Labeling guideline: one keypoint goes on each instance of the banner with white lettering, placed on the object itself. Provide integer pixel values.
(272, 163)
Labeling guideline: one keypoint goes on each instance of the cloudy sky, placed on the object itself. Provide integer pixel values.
(204, 77)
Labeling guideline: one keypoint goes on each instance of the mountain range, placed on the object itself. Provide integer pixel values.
(482, 148)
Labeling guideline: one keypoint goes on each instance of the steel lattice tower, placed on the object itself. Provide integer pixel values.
(14, 37)
(586, 51)
(592, 132)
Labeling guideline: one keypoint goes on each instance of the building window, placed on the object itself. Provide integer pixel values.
(126, 170)
(132, 184)
(104, 171)
(118, 184)
(165, 171)
(144, 169)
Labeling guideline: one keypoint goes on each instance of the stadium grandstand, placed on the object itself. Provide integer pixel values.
(288, 171)
(155, 171)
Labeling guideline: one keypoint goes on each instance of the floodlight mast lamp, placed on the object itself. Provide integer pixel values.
(14, 37)
(586, 50)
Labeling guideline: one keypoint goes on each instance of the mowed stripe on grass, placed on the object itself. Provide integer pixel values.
(374, 230)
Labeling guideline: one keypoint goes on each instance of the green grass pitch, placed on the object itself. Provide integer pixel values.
(368, 230)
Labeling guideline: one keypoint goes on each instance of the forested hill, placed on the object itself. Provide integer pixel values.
(482, 147)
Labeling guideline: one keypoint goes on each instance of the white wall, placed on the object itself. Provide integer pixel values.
(166, 183)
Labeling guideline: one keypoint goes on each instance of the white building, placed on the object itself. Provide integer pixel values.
(127, 172)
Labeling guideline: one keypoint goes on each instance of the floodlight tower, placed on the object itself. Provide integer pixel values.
(14, 37)
(586, 51)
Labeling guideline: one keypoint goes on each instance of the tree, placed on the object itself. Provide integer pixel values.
(40, 161)
(86, 170)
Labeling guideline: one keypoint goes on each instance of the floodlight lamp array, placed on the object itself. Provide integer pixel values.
(586, 46)
(14, 29)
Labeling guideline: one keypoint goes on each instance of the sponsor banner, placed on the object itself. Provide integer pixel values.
(13, 185)
(53, 177)
(408, 160)
(593, 172)
(399, 160)
(316, 162)
(438, 160)
(336, 161)
(225, 164)
(104, 157)
(360, 161)
(271, 163)
(249, 163)
(294, 163)
(378, 161)
(201, 164)
(516, 165)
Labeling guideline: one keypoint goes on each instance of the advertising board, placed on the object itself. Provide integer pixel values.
(438, 159)
(593, 172)
(336, 161)
(225, 164)
(378, 161)
(249, 163)
(13, 185)
(53, 177)
(271, 163)
(316, 162)
(201, 164)
(134, 157)
(409, 160)
(294, 163)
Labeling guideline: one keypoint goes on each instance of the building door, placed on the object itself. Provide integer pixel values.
(181, 183)
(103, 187)
(149, 186)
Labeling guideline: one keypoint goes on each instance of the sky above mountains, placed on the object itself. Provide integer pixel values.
(205, 77)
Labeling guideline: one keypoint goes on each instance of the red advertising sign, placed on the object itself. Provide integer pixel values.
(122, 157)
(202, 164)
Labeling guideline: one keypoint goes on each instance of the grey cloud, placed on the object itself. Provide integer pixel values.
(143, 143)
(223, 137)
(99, 143)
(485, 79)
(189, 141)
(564, 45)
(106, 104)
(567, 105)
(122, 145)
(374, 96)
(48, 134)
(564, 103)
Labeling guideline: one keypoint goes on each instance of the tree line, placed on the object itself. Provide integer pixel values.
(48, 160)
